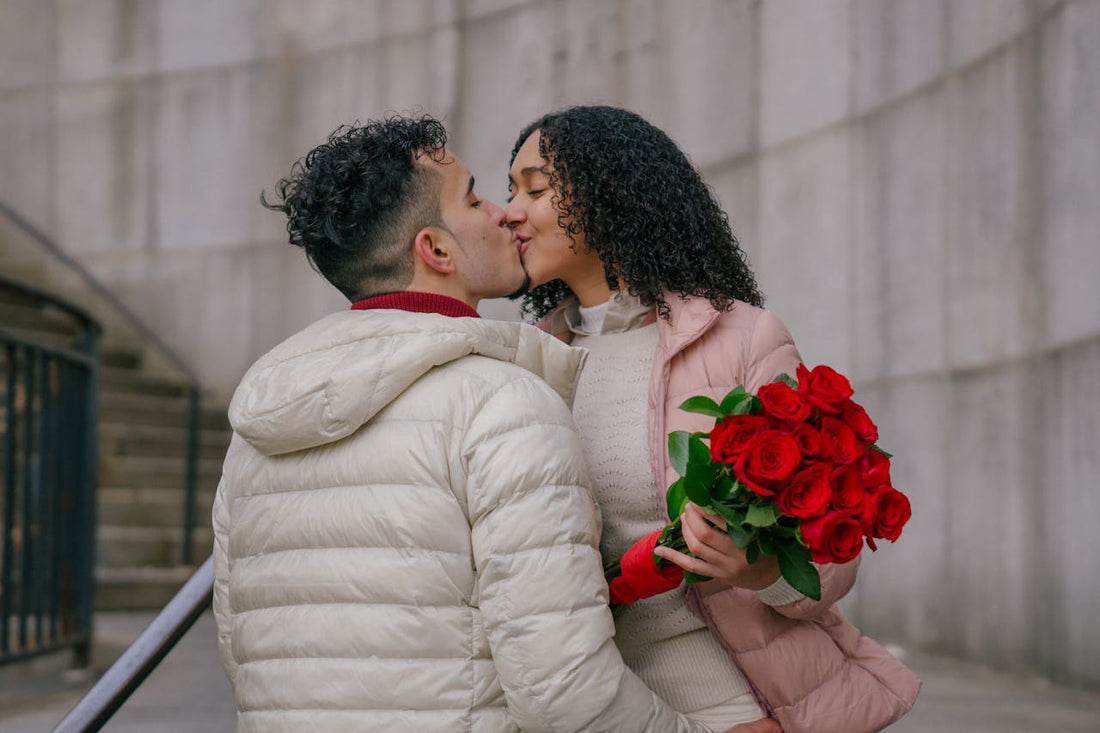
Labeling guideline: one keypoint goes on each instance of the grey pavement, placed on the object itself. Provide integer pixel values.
(188, 693)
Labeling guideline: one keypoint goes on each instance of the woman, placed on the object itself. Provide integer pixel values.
(633, 259)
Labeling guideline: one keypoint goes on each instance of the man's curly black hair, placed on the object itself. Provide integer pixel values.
(636, 199)
(355, 202)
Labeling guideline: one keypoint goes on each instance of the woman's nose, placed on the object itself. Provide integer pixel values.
(514, 213)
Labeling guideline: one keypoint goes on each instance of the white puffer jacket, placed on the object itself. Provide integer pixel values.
(404, 540)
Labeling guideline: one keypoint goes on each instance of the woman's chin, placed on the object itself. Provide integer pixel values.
(537, 278)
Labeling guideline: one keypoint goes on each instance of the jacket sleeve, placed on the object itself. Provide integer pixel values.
(221, 582)
(541, 587)
(836, 581)
(771, 352)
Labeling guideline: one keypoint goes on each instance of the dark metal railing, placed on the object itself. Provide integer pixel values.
(48, 456)
(194, 390)
(141, 657)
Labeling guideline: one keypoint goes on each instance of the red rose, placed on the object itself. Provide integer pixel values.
(807, 494)
(824, 387)
(874, 468)
(854, 416)
(893, 512)
(847, 490)
(769, 459)
(782, 403)
(834, 537)
(641, 577)
(838, 442)
(809, 441)
(729, 437)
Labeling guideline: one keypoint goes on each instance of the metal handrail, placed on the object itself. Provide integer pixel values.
(48, 390)
(141, 657)
(79, 314)
(193, 385)
(100, 289)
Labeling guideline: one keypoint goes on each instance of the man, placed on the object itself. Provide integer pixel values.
(403, 535)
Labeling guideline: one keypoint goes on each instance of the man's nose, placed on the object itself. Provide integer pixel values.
(495, 212)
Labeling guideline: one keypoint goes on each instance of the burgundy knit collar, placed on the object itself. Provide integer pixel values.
(417, 303)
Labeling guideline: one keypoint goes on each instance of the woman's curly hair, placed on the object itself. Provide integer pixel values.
(631, 193)
(354, 202)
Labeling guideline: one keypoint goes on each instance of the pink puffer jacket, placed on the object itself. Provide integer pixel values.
(813, 670)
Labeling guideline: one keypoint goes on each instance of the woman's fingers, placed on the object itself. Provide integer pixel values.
(696, 535)
(703, 538)
(687, 562)
(716, 555)
(713, 519)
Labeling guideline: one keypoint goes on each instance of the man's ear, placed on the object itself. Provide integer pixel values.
(433, 246)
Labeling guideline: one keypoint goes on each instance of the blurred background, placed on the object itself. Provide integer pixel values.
(916, 182)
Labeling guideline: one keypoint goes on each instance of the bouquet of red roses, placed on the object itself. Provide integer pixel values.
(794, 470)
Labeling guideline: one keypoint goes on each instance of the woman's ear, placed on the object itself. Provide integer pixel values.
(433, 247)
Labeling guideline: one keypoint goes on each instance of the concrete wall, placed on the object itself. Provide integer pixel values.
(916, 182)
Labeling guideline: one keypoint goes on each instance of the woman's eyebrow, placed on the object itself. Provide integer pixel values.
(529, 170)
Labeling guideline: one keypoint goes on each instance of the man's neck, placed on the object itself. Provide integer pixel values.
(417, 302)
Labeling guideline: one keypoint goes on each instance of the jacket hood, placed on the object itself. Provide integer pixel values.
(328, 380)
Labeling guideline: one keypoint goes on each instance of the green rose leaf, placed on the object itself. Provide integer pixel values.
(767, 543)
(786, 379)
(762, 516)
(675, 498)
(701, 405)
(731, 400)
(752, 553)
(698, 481)
(698, 451)
(690, 577)
(740, 490)
(740, 535)
(748, 406)
(723, 488)
(678, 450)
(797, 569)
(731, 513)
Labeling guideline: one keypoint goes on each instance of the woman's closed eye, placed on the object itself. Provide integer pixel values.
(532, 194)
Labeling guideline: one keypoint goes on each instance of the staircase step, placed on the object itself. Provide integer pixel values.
(138, 588)
(59, 340)
(121, 355)
(149, 507)
(159, 440)
(138, 409)
(142, 433)
(130, 381)
(118, 546)
(36, 317)
(157, 473)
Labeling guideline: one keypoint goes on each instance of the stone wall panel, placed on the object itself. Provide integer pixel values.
(806, 67)
(986, 217)
(1069, 178)
(805, 230)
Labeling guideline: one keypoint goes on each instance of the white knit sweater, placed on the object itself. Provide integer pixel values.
(661, 640)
